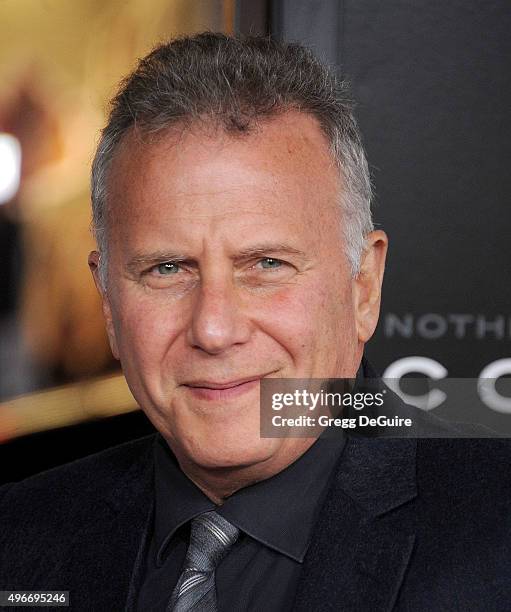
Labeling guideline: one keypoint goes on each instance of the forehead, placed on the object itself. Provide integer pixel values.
(203, 177)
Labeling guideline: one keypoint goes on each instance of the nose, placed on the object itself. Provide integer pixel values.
(218, 320)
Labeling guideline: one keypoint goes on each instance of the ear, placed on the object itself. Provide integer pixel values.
(367, 285)
(94, 258)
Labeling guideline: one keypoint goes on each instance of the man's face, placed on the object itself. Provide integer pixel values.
(226, 264)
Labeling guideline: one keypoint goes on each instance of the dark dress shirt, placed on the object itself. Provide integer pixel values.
(275, 517)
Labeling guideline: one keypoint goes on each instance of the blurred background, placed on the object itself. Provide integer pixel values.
(432, 80)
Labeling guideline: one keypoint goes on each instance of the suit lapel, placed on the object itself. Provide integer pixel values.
(364, 536)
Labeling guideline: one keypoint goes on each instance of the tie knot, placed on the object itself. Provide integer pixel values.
(211, 538)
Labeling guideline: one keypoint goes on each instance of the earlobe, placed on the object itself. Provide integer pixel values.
(94, 259)
(368, 284)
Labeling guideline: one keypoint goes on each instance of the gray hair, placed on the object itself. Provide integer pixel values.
(234, 81)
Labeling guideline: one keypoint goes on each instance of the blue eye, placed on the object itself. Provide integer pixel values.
(269, 263)
(169, 267)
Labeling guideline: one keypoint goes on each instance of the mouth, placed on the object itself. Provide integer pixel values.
(216, 390)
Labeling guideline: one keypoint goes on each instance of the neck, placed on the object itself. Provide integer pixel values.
(219, 483)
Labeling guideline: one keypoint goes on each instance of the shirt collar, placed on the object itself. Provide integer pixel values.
(177, 498)
(280, 512)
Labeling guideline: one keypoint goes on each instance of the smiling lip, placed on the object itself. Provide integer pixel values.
(209, 390)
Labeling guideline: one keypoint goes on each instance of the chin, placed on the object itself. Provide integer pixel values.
(221, 453)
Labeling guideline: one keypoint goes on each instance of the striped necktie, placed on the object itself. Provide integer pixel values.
(211, 537)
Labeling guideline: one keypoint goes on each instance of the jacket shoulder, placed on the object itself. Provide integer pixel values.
(55, 524)
(459, 471)
(52, 492)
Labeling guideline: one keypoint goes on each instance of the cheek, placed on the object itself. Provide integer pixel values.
(298, 319)
(145, 329)
(315, 323)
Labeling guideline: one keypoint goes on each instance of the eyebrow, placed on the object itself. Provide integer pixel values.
(260, 249)
(264, 248)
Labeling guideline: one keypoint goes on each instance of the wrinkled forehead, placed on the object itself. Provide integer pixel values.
(281, 167)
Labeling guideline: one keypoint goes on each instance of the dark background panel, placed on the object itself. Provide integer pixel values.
(432, 81)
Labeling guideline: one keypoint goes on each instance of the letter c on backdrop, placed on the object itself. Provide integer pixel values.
(422, 365)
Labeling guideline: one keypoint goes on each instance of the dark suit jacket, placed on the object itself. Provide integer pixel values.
(416, 525)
